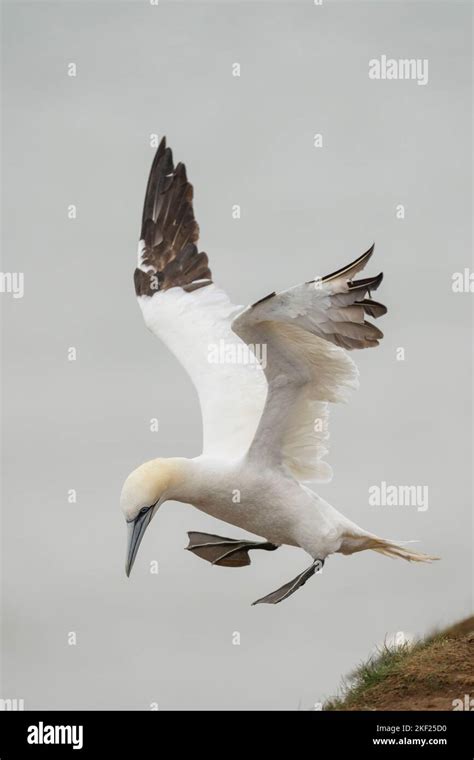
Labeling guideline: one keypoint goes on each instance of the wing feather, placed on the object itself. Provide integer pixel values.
(182, 307)
(167, 253)
(308, 330)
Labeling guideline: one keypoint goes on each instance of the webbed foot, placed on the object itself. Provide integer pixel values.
(289, 588)
(226, 552)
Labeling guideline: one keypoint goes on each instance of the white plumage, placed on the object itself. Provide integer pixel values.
(232, 395)
(265, 375)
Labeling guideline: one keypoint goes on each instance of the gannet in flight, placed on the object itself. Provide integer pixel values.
(265, 426)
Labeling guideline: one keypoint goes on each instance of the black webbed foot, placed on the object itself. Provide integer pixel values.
(225, 552)
(289, 588)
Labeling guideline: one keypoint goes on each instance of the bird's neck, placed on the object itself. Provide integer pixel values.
(178, 476)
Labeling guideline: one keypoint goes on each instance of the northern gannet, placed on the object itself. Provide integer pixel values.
(265, 422)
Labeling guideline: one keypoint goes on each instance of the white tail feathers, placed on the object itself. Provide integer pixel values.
(395, 550)
(356, 543)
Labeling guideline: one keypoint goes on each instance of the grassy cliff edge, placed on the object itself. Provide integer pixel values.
(430, 674)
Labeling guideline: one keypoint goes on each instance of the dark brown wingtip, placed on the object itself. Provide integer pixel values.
(180, 172)
(169, 231)
(265, 298)
(161, 166)
(373, 332)
(161, 150)
(360, 260)
(373, 308)
(144, 285)
(369, 283)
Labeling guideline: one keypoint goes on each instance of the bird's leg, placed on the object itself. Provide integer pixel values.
(289, 588)
(226, 552)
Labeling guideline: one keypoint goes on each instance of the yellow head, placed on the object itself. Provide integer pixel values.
(143, 492)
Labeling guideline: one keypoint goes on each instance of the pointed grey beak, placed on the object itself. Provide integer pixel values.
(136, 529)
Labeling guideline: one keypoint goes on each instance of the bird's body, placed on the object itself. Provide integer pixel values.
(264, 501)
(265, 376)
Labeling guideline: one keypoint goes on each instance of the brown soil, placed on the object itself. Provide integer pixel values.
(428, 677)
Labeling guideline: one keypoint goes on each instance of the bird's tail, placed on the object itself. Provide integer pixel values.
(354, 542)
(389, 549)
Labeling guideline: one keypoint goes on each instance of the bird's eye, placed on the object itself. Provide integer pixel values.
(143, 510)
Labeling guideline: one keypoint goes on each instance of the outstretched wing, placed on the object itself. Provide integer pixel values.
(306, 330)
(167, 252)
(182, 306)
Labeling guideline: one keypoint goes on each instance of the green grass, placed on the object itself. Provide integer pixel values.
(387, 662)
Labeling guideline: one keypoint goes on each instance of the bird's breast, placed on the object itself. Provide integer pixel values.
(263, 503)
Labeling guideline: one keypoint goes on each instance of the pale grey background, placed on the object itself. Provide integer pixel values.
(85, 425)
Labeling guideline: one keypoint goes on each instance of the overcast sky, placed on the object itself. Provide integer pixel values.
(306, 210)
